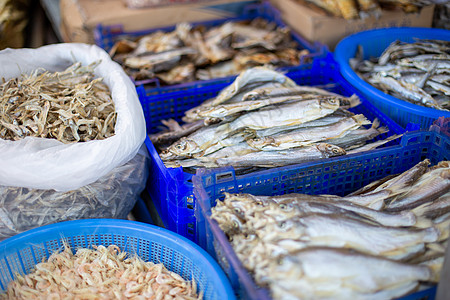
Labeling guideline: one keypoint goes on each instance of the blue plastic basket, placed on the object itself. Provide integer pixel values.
(106, 35)
(373, 43)
(23, 251)
(171, 188)
(337, 176)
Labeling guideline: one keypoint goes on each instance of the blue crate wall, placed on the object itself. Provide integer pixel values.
(172, 189)
(338, 176)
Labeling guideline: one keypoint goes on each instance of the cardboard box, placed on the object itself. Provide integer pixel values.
(80, 17)
(316, 26)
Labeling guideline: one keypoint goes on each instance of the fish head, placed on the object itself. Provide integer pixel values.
(185, 148)
(260, 143)
(330, 103)
(330, 150)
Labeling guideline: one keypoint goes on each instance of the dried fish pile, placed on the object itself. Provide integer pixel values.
(417, 72)
(264, 119)
(111, 196)
(379, 242)
(353, 9)
(100, 273)
(196, 53)
(70, 106)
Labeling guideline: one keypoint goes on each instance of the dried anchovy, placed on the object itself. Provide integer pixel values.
(70, 106)
(111, 196)
(100, 273)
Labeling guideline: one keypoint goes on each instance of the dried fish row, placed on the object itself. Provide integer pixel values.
(191, 53)
(70, 106)
(417, 72)
(299, 246)
(100, 273)
(264, 119)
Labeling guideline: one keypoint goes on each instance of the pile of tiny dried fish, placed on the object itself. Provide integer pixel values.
(417, 72)
(100, 273)
(70, 106)
(379, 242)
(264, 119)
(352, 9)
(196, 53)
(111, 196)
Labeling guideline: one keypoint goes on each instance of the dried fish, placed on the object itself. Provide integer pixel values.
(298, 245)
(416, 72)
(219, 51)
(70, 106)
(263, 119)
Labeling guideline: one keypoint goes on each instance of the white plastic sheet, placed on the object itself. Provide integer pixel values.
(49, 164)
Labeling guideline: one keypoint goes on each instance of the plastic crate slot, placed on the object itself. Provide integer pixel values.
(222, 177)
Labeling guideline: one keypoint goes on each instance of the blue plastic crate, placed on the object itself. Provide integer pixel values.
(106, 35)
(171, 189)
(373, 43)
(337, 176)
(23, 251)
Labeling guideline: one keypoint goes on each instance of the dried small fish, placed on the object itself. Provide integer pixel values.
(70, 106)
(218, 51)
(416, 72)
(111, 196)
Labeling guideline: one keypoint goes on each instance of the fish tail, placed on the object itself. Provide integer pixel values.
(375, 124)
(444, 229)
(422, 222)
(436, 247)
(383, 129)
(432, 234)
(361, 119)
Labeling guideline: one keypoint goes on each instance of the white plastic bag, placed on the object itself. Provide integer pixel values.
(50, 164)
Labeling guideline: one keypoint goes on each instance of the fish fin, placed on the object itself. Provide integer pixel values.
(354, 101)
(377, 204)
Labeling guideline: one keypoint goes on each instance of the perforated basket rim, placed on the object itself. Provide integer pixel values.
(174, 241)
(347, 44)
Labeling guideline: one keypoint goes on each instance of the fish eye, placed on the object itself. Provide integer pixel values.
(283, 206)
(237, 210)
(335, 150)
(259, 203)
(235, 224)
(283, 225)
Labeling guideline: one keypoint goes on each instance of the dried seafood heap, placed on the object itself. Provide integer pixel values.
(70, 106)
(353, 9)
(196, 53)
(264, 119)
(379, 242)
(417, 72)
(111, 196)
(100, 273)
